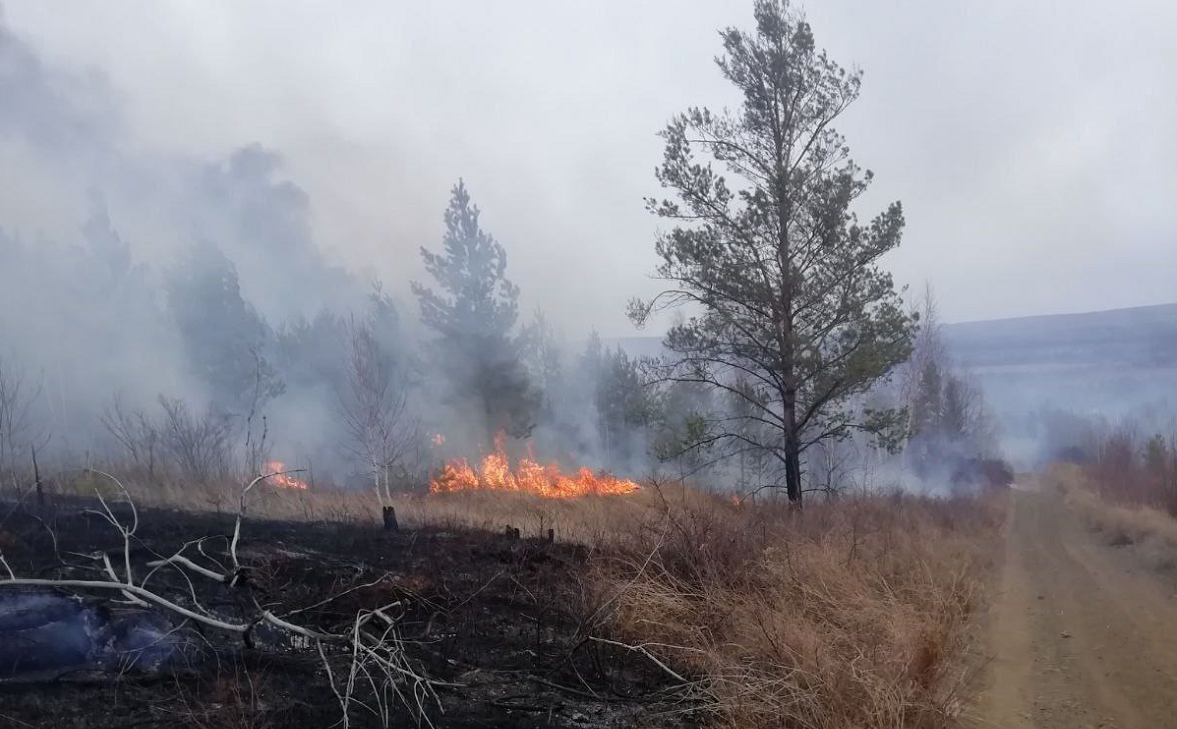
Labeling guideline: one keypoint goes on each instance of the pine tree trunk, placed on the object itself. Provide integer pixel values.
(792, 450)
(793, 469)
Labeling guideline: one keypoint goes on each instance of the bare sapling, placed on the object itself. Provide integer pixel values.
(374, 406)
(19, 430)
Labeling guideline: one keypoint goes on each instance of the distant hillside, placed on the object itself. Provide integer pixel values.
(1139, 337)
(1111, 362)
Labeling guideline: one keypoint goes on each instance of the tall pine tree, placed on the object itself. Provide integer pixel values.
(473, 310)
(779, 278)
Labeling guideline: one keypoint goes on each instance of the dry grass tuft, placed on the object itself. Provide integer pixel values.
(851, 614)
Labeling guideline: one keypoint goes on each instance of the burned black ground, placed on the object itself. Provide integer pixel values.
(503, 625)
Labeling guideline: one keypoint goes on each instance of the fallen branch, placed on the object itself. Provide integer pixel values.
(179, 559)
(135, 590)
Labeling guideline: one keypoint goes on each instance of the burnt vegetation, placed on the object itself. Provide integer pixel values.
(470, 629)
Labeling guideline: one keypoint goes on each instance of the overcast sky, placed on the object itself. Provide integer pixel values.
(1032, 143)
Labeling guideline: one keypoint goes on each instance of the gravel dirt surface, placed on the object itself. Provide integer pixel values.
(1082, 633)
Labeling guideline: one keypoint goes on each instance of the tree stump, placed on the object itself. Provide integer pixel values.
(389, 514)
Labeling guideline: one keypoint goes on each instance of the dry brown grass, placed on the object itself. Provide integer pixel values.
(590, 520)
(266, 501)
(850, 614)
(847, 615)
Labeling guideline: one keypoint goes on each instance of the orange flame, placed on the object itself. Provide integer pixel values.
(494, 474)
(283, 480)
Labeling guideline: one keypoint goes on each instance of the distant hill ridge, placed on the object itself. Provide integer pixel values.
(1139, 336)
(1112, 362)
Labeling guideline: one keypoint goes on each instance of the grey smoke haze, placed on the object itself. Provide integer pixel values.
(1029, 142)
(316, 148)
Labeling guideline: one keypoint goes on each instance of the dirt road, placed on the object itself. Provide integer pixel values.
(1082, 634)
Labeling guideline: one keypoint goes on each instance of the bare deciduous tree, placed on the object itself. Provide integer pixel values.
(199, 444)
(927, 347)
(947, 417)
(373, 404)
(134, 430)
(18, 428)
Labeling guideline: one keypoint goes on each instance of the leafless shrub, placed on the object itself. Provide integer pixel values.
(199, 445)
(134, 431)
(255, 433)
(1126, 467)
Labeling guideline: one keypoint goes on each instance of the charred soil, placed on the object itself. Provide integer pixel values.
(498, 623)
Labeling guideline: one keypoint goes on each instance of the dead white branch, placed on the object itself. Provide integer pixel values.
(181, 560)
(135, 590)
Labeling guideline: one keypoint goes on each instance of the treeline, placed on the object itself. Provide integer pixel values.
(368, 404)
(349, 395)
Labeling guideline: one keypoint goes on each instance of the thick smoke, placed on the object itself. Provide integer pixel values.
(167, 307)
(139, 275)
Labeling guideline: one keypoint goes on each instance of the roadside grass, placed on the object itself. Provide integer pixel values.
(1119, 523)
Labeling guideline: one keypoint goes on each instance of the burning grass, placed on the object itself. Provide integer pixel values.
(495, 473)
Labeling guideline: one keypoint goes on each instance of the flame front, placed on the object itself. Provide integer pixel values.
(494, 474)
(283, 480)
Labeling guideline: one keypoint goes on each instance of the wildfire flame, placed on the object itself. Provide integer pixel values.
(494, 474)
(283, 480)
